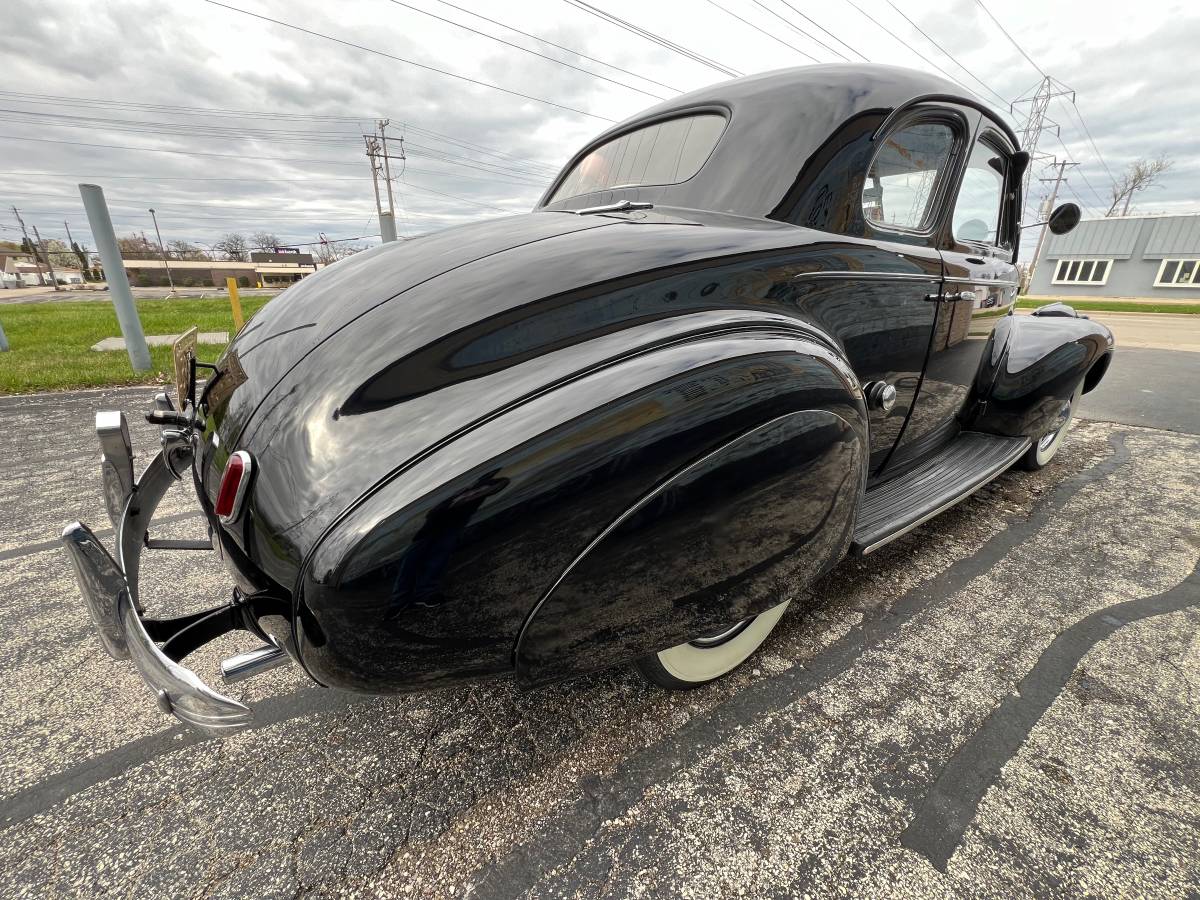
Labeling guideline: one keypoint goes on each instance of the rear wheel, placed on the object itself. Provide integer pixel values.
(1045, 448)
(708, 657)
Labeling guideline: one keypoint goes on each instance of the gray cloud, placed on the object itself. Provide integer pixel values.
(300, 176)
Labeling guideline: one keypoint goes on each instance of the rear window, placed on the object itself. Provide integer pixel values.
(663, 153)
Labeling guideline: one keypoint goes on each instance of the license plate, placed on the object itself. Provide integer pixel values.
(184, 351)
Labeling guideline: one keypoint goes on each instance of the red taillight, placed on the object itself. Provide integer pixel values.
(234, 482)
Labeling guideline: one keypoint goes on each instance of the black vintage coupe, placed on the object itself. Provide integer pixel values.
(743, 334)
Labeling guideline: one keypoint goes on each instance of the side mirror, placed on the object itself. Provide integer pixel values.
(1064, 218)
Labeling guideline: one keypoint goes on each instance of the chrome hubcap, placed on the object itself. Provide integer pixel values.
(1064, 416)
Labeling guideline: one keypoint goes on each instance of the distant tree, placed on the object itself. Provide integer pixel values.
(81, 254)
(264, 240)
(1141, 174)
(60, 254)
(328, 252)
(232, 247)
(137, 246)
(183, 250)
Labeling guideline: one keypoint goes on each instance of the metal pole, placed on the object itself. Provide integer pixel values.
(3, 340)
(114, 274)
(71, 244)
(37, 260)
(162, 251)
(235, 303)
(387, 177)
(1037, 253)
(49, 264)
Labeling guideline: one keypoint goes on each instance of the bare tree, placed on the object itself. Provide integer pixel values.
(60, 254)
(178, 249)
(1141, 174)
(136, 246)
(232, 246)
(328, 252)
(264, 240)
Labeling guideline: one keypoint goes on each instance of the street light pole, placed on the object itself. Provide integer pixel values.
(162, 250)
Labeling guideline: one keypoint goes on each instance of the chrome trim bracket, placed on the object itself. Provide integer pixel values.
(116, 462)
(177, 690)
(109, 589)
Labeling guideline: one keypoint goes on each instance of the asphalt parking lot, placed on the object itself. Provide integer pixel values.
(1004, 702)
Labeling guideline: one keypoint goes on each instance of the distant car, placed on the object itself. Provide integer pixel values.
(743, 334)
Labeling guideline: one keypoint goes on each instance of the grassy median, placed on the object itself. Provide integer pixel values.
(1133, 306)
(50, 343)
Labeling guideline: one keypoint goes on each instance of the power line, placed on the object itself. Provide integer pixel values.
(292, 159)
(1074, 107)
(936, 44)
(889, 31)
(799, 31)
(410, 62)
(500, 40)
(817, 24)
(773, 37)
(558, 46)
(652, 37)
(1011, 39)
(61, 100)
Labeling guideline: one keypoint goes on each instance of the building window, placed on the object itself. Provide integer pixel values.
(1082, 271)
(1178, 273)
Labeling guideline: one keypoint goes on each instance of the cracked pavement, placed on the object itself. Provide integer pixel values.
(1003, 702)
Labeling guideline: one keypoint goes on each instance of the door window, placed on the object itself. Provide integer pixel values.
(899, 189)
(977, 210)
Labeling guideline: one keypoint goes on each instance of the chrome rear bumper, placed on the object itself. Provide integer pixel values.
(110, 588)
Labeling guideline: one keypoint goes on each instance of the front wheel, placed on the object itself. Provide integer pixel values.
(708, 657)
(1044, 449)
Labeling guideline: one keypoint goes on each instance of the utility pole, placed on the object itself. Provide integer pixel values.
(163, 252)
(1058, 180)
(378, 157)
(71, 243)
(37, 260)
(49, 264)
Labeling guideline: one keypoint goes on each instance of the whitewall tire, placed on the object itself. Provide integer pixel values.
(1044, 448)
(707, 658)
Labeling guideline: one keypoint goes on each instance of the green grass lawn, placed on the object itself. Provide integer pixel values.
(50, 343)
(1080, 303)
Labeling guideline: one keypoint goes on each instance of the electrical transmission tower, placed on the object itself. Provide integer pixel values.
(379, 158)
(1038, 99)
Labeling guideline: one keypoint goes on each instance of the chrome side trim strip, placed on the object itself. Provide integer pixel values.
(868, 276)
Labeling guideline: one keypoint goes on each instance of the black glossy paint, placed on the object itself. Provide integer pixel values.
(471, 448)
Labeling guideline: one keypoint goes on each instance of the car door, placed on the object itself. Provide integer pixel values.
(903, 202)
(979, 286)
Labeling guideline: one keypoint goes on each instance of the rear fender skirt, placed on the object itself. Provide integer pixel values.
(1031, 367)
(732, 535)
(430, 578)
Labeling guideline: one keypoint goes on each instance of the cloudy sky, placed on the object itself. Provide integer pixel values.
(225, 121)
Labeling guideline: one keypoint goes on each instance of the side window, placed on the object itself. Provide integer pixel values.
(899, 189)
(977, 210)
(663, 153)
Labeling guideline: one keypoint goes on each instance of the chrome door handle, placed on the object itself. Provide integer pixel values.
(951, 297)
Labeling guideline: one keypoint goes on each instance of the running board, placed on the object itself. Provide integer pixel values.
(962, 467)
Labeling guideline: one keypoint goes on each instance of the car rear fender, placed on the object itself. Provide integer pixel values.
(1032, 365)
(432, 576)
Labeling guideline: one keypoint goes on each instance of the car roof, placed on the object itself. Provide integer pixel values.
(777, 121)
